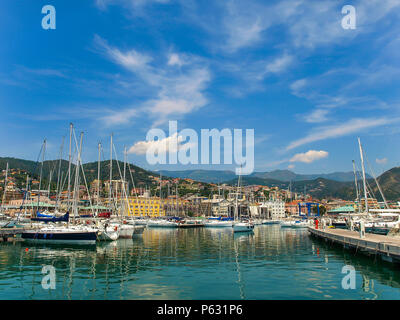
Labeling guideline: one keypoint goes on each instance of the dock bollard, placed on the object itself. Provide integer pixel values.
(362, 229)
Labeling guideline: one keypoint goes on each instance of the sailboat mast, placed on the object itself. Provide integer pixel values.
(98, 179)
(109, 186)
(125, 160)
(363, 173)
(71, 126)
(356, 184)
(26, 193)
(237, 195)
(51, 177)
(59, 180)
(5, 187)
(76, 189)
(41, 171)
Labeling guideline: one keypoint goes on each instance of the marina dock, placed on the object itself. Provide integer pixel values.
(388, 248)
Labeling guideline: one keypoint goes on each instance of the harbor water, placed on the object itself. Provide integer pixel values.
(203, 263)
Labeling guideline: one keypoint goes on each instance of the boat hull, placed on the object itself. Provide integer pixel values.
(126, 231)
(138, 230)
(162, 224)
(60, 237)
(221, 224)
(294, 224)
(243, 227)
(271, 222)
(108, 235)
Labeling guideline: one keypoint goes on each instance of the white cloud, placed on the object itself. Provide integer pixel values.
(175, 59)
(381, 161)
(318, 115)
(131, 60)
(133, 4)
(291, 166)
(280, 64)
(309, 156)
(349, 127)
(162, 145)
(298, 85)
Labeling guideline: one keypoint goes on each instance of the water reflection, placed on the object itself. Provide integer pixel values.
(203, 263)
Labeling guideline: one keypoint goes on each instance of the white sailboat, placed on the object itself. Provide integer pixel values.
(295, 224)
(108, 231)
(241, 226)
(217, 223)
(61, 233)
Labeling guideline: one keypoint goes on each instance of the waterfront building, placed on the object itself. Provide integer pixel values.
(342, 210)
(117, 187)
(372, 203)
(272, 209)
(153, 207)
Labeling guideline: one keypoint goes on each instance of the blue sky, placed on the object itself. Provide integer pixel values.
(286, 69)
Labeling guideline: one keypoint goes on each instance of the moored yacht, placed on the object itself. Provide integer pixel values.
(161, 223)
(60, 234)
(243, 226)
(219, 222)
(295, 224)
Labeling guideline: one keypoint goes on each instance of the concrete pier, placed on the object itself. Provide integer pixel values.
(388, 248)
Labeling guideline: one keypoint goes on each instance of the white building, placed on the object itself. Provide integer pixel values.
(272, 210)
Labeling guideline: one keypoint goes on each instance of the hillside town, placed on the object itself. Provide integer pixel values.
(179, 197)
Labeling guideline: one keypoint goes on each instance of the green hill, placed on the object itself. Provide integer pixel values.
(140, 176)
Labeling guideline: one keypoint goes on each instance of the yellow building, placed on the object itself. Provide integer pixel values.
(144, 206)
(141, 206)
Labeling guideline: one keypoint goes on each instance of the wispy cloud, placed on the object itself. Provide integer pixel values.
(279, 64)
(316, 116)
(381, 161)
(133, 4)
(343, 129)
(177, 92)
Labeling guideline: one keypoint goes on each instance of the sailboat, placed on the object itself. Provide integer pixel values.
(125, 229)
(219, 222)
(165, 222)
(378, 223)
(108, 231)
(65, 234)
(244, 225)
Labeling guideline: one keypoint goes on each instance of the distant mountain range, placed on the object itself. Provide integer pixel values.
(219, 176)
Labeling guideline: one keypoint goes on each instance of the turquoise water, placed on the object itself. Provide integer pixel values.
(272, 263)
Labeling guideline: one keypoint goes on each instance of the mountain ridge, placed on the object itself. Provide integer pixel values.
(220, 176)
